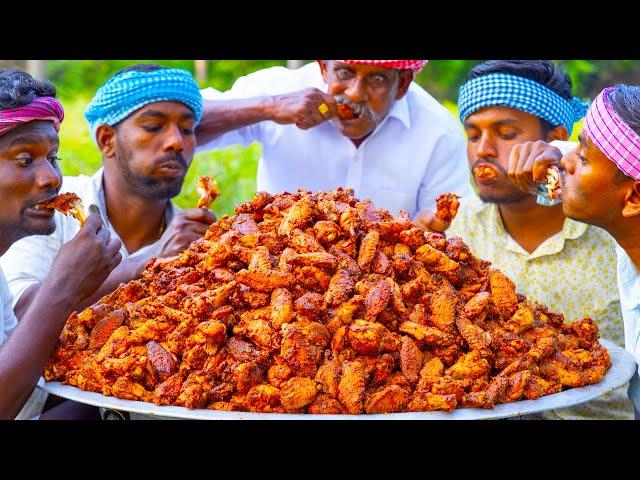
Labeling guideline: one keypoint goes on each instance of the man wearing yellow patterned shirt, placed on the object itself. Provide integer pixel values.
(567, 265)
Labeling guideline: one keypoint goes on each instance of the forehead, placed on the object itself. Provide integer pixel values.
(167, 110)
(362, 69)
(34, 133)
(498, 115)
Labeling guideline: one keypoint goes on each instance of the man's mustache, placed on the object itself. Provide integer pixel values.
(173, 157)
(44, 197)
(360, 109)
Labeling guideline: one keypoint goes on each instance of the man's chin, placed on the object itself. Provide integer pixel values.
(354, 131)
(502, 199)
(164, 190)
(38, 227)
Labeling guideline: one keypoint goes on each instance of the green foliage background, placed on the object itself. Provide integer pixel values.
(235, 168)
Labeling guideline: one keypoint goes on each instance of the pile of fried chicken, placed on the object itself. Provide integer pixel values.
(319, 303)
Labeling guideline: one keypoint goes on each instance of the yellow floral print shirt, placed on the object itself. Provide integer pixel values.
(573, 272)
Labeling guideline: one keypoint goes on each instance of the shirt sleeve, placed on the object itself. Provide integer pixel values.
(242, 88)
(447, 171)
(28, 262)
(8, 321)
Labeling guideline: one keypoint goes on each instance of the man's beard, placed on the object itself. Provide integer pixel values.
(504, 199)
(26, 227)
(150, 187)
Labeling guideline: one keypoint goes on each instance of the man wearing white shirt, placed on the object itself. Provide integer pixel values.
(143, 120)
(30, 118)
(401, 150)
(600, 185)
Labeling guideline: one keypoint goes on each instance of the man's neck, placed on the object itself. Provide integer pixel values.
(627, 234)
(137, 220)
(530, 224)
(358, 141)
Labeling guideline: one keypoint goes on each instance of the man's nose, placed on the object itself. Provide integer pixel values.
(485, 147)
(568, 161)
(48, 176)
(174, 139)
(356, 91)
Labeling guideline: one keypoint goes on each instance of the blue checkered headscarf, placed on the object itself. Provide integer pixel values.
(128, 91)
(505, 90)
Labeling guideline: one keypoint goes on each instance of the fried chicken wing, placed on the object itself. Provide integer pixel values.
(351, 389)
(447, 206)
(388, 399)
(297, 393)
(67, 204)
(207, 188)
(503, 292)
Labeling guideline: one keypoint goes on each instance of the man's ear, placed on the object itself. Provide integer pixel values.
(632, 200)
(558, 133)
(105, 138)
(324, 69)
(406, 77)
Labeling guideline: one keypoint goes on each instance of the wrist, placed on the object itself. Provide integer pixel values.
(268, 107)
(59, 294)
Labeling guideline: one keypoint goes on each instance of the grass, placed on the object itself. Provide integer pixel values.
(234, 168)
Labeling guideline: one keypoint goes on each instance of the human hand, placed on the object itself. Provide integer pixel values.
(84, 263)
(528, 164)
(427, 220)
(186, 227)
(305, 108)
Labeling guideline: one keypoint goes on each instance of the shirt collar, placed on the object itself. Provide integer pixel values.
(400, 110)
(571, 230)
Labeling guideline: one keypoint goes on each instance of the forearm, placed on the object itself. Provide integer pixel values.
(25, 353)
(222, 116)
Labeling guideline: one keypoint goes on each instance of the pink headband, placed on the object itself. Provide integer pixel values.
(414, 65)
(41, 108)
(612, 135)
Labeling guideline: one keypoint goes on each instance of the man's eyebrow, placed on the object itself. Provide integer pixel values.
(158, 114)
(499, 123)
(152, 113)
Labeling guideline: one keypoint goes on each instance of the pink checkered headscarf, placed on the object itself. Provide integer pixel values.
(413, 65)
(612, 135)
(41, 108)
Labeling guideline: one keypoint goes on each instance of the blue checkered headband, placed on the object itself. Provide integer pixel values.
(504, 90)
(126, 92)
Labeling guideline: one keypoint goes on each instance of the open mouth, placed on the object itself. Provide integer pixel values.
(346, 111)
(43, 205)
(485, 172)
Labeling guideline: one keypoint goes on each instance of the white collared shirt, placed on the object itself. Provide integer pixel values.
(629, 286)
(28, 260)
(416, 153)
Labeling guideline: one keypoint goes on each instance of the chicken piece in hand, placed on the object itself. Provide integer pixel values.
(208, 190)
(447, 206)
(68, 204)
